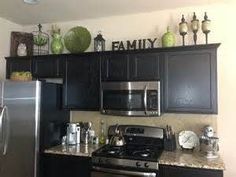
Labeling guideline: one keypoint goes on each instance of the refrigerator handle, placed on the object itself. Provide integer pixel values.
(1, 126)
(7, 127)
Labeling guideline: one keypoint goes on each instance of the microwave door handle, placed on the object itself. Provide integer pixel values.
(145, 99)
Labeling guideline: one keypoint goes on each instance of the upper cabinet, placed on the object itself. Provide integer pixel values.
(144, 66)
(17, 64)
(130, 66)
(114, 67)
(47, 66)
(81, 82)
(188, 75)
(190, 80)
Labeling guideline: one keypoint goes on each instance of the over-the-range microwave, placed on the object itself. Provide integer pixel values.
(139, 98)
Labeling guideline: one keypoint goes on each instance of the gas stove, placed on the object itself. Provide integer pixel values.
(142, 150)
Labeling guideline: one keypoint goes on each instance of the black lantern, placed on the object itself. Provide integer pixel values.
(99, 43)
(183, 28)
(206, 23)
(195, 27)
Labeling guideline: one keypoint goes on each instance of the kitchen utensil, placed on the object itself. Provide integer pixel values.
(188, 140)
(117, 139)
(169, 140)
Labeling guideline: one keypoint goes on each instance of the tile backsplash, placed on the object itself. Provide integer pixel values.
(179, 122)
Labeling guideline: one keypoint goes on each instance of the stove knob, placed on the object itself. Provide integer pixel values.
(100, 160)
(146, 165)
(107, 161)
(138, 164)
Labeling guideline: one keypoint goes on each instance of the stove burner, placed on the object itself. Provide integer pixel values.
(112, 151)
(144, 153)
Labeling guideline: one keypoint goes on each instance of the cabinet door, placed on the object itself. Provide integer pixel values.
(144, 66)
(115, 67)
(190, 83)
(173, 171)
(65, 166)
(17, 64)
(81, 83)
(47, 66)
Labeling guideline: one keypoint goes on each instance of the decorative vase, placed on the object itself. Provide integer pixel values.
(57, 46)
(168, 39)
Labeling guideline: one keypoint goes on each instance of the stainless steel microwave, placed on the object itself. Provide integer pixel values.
(131, 98)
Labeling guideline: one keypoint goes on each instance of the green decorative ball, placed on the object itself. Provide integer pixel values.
(77, 39)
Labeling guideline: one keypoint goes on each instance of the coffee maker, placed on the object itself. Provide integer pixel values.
(73, 134)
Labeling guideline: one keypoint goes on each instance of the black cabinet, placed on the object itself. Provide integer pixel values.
(17, 64)
(47, 66)
(144, 66)
(130, 66)
(174, 171)
(188, 75)
(115, 67)
(65, 166)
(82, 82)
(190, 81)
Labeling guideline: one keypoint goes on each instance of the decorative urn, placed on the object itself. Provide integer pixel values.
(168, 39)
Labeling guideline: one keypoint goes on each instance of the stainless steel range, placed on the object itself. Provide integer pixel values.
(138, 157)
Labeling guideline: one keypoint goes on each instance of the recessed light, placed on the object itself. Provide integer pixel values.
(31, 1)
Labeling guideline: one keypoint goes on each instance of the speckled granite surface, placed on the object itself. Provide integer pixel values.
(176, 158)
(190, 159)
(75, 150)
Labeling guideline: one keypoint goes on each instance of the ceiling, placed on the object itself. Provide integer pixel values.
(51, 11)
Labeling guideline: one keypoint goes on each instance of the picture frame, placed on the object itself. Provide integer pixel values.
(21, 38)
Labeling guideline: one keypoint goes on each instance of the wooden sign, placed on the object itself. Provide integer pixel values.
(18, 38)
(135, 44)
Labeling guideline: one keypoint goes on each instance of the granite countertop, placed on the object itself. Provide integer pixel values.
(75, 150)
(190, 159)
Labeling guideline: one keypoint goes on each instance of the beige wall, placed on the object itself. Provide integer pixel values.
(5, 31)
(153, 25)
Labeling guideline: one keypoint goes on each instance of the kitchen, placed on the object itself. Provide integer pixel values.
(155, 27)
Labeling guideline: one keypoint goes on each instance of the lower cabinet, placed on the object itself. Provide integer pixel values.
(65, 166)
(174, 171)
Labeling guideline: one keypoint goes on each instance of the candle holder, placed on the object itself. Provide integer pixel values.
(183, 28)
(195, 27)
(206, 26)
(99, 43)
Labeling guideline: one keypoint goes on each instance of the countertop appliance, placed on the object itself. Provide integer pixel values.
(209, 143)
(139, 98)
(72, 134)
(30, 121)
(138, 157)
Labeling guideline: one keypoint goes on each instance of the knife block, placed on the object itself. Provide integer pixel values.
(170, 143)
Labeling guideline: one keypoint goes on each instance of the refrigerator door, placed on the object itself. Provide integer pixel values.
(19, 158)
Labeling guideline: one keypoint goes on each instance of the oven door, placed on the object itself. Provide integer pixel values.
(131, 98)
(110, 172)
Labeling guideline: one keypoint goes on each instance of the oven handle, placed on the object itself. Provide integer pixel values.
(145, 99)
(124, 172)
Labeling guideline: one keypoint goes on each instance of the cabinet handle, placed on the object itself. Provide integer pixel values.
(145, 99)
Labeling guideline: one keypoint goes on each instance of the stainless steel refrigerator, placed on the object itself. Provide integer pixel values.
(31, 119)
